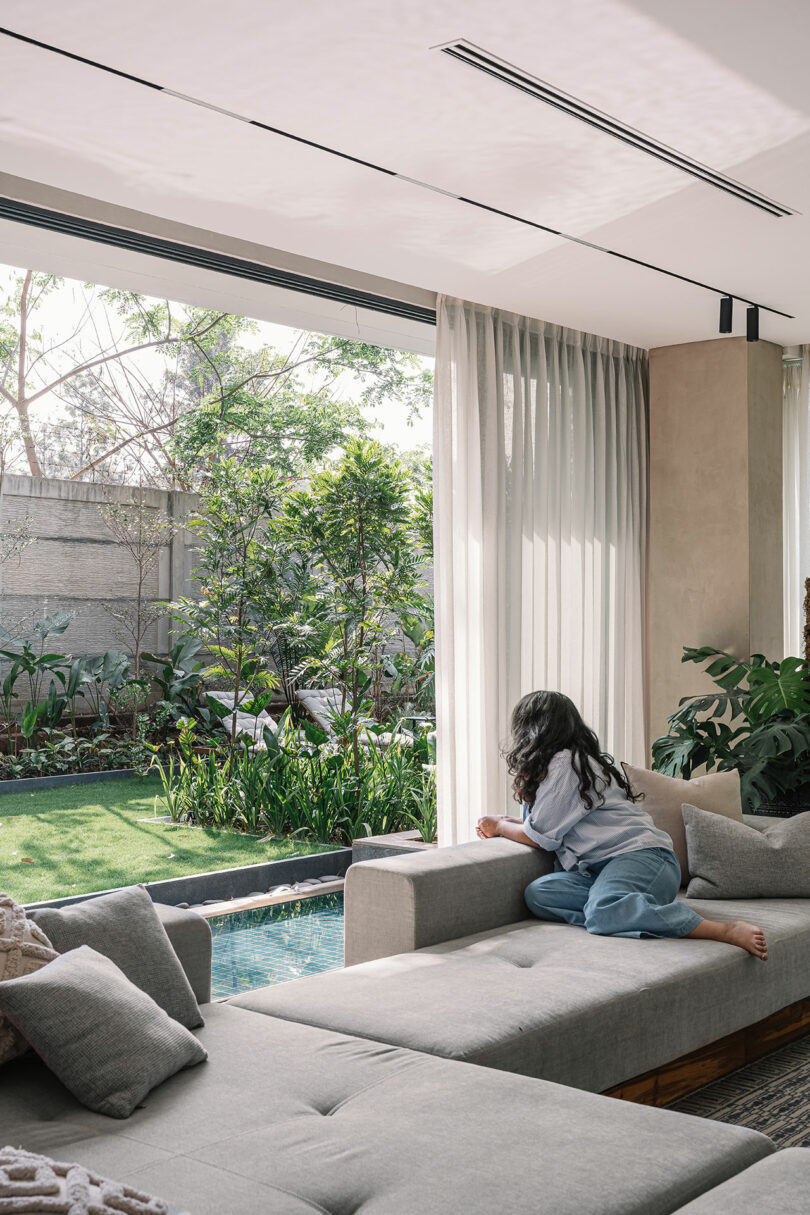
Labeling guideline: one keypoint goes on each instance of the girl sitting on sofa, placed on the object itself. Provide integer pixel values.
(617, 873)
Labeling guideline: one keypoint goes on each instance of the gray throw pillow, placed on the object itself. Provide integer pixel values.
(105, 1039)
(731, 860)
(125, 927)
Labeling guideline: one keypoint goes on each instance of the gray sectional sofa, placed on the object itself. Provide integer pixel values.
(443, 958)
(358, 1091)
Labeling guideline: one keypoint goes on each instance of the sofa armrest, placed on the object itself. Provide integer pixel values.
(406, 902)
(190, 936)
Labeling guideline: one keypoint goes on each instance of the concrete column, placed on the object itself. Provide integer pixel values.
(715, 540)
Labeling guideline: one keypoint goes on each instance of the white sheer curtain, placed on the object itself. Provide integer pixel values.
(796, 496)
(540, 474)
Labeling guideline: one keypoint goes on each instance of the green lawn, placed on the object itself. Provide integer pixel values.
(88, 837)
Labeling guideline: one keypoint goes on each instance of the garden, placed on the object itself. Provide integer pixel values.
(321, 586)
(312, 569)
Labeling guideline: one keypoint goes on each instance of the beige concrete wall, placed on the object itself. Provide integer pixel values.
(715, 542)
(76, 565)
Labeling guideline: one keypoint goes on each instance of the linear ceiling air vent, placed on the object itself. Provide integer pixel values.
(507, 73)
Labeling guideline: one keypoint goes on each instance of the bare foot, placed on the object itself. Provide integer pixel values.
(746, 936)
(749, 937)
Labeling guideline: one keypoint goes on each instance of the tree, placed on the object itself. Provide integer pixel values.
(33, 368)
(234, 566)
(353, 526)
(14, 537)
(267, 407)
(156, 393)
(142, 532)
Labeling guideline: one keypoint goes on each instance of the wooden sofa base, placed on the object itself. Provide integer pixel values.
(681, 1076)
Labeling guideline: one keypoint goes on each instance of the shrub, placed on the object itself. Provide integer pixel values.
(300, 787)
(63, 755)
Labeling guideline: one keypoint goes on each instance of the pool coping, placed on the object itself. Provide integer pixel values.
(227, 906)
(227, 885)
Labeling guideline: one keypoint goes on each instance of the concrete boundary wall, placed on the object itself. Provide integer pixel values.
(75, 564)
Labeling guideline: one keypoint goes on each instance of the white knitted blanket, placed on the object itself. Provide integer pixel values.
(35, 1185)
(23, 949)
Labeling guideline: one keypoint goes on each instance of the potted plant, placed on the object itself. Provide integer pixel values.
(757, 722)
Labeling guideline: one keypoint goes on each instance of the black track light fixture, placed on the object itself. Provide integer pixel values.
(726, 312)
(752, 324)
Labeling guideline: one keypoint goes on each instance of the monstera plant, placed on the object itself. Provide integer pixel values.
(757, 721)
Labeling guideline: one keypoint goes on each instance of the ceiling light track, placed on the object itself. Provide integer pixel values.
(367, 164)
(475, 57)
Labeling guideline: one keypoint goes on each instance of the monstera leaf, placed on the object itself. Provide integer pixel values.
(757, 722)
(782, 690)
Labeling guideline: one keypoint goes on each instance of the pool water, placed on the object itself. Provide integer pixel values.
(274, 944)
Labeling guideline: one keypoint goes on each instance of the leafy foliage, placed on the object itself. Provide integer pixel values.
(237, 560)
(304, 787)
(156, 393)
(354, 528)
(63, 754)
(757, 723)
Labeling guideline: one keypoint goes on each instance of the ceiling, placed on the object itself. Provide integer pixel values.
(723, 81)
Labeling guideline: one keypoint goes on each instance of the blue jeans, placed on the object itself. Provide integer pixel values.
(631, 895)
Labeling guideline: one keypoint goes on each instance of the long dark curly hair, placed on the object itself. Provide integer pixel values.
(544, 723)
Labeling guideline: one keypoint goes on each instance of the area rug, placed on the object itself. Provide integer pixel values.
(771, 1095)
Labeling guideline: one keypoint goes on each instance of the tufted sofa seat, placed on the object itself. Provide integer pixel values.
(287, 1119)
(544, 1000)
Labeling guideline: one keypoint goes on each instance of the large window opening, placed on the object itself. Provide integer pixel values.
(215, 572)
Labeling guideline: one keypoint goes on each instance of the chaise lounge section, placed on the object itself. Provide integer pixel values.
(444, 959)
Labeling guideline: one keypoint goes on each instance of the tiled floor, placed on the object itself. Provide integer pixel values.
(273, 944)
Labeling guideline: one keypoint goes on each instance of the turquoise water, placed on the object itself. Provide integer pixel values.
(274, 944)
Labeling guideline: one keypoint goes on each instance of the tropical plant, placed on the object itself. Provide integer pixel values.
(100, 681)
(32, 663)
(62, 754)
(424, 815)
(180, 677)
(757, 722)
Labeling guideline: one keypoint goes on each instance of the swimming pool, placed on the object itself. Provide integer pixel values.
(277, 943)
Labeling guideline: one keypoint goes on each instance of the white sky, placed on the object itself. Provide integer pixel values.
(58, 315)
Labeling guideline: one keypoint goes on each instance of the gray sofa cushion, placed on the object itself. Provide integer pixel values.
(731, 860)
(779, 1185)
(125, 927)
(554, 1001)
(296, 1120)
(107, 1041)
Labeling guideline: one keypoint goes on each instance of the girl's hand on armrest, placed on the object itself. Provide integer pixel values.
(504, 826)
(488, 826)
